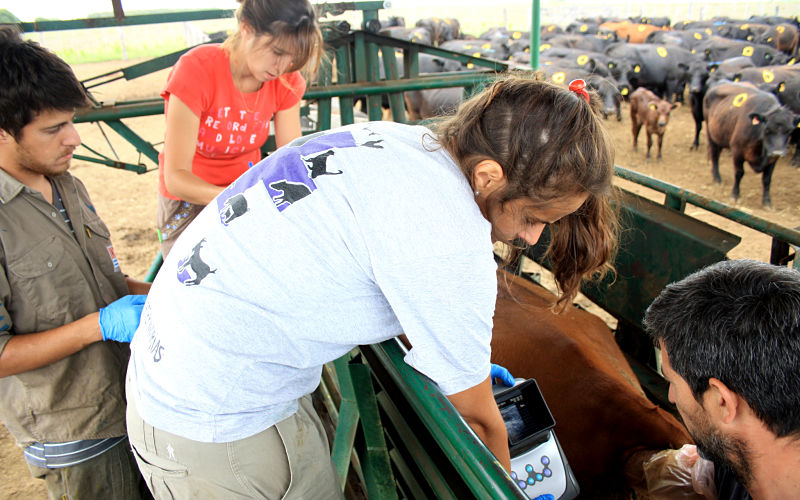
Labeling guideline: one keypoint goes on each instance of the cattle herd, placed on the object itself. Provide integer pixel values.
(741, 77)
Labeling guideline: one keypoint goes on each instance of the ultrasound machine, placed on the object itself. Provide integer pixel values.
(538, 464)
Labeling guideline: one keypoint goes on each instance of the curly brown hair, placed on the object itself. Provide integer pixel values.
(550, 143)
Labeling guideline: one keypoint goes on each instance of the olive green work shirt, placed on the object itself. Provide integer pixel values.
(51, 277)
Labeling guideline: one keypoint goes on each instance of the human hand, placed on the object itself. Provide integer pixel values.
(120, 319)
(504, 375)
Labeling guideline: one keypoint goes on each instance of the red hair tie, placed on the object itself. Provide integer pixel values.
(579, 87)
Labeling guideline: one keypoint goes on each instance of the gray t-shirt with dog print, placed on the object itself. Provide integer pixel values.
(341, 238)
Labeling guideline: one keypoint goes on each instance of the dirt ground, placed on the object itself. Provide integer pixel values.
(127, 203)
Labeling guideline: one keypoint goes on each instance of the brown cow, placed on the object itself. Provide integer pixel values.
(651, 111)
(602, 414)
(755, 127)
(633, 32)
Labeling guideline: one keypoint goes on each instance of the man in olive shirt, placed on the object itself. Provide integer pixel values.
(65, 310)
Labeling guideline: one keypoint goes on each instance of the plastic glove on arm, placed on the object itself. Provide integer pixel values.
(499, 372)
(120, 319)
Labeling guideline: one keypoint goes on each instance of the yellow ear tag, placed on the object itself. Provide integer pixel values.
(780, 29)
(739, 100)
(583, 28)
(470, 65)
(582, 59)
(712, 70)
(698, 36)
(768, 75)
(612, 65)
(708, 31)
(747, 51)
(661, 51)
(486, 46)
(476, 54)
(624, 91)
(544, 46)
(637, 69)
(791, 61)
(652, 106)
(744, 26)
(549, 28)
(517, 35)
(781, 87)
(559, 77)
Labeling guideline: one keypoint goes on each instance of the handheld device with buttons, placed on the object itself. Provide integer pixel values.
(538, 464)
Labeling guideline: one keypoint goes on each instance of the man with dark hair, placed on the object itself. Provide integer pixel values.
(730, 349)
(62, 293)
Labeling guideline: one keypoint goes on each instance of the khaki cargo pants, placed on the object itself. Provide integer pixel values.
(290, 460)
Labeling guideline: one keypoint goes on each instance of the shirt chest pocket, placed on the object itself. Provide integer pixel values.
(98, 245)
(49, 283)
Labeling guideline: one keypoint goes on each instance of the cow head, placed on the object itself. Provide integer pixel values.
(620, 69)
(662, 109)
(774, 129)
(698, 76)
(608, 92)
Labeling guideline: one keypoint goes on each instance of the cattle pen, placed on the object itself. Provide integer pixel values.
(394, 435)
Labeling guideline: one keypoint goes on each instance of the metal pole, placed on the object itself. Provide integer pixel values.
(536, 32)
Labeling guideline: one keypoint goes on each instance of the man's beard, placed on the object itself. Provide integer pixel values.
(724, 450)
(29, 162)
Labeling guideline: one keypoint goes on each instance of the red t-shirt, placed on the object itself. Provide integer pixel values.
(233, 126)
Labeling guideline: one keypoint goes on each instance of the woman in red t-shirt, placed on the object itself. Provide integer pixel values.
(220, 99)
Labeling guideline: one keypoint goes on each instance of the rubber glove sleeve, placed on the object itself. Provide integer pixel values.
(498, 372)
(120, 319)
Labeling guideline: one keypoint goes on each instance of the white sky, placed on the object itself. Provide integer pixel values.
(79, 9)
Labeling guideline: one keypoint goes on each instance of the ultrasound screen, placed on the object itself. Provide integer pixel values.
(514, 423)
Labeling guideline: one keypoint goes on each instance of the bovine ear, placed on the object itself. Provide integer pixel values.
(797, 120)
(675, 105)
(756, 119)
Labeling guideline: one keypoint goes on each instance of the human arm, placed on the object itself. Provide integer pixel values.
(35, 350)
(287, 125)
(137, 287)
(180, 141)
(479, 409)
(117, 321)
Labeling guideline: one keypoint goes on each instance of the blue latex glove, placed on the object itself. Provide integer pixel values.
(120, 319)
(546, 496)
(504, 375)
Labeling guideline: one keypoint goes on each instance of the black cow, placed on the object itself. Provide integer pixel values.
(753, 124)
(591, 43)
(575, 58)
(718, 48)
(662, 69)
(784, 37)
(610, 95)
(441, 30)
(423, 104)
(491, 49)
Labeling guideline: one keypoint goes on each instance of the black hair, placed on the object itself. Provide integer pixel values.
(33, 80)
(739, 322)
